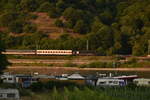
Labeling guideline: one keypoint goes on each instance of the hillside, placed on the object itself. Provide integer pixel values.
(110, 26)
(47, 25)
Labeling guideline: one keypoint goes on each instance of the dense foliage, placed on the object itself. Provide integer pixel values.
(111, 26)
(100, 94)
(3, 59)
(95, 93)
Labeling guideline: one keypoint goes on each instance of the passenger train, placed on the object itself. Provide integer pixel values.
(43, 52)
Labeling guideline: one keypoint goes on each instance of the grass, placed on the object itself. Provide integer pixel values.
(32, 64)
(139, 93)
(61, 57)
(69, 64)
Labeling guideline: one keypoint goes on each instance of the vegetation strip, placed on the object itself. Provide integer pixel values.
(75, 68)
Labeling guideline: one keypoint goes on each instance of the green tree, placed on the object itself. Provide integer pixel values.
(45, 7)
(16, 27)
(59, 23)
(80, 27)
(8, 17)
(54, 13)
(29, 5)
(69, 13)
(3, 59)
(96, 25)
(61, 5)
(138, 50)
(29, 28)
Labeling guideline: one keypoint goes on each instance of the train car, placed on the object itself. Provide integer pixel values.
(54, 52)
(19, 52)
(86, 53)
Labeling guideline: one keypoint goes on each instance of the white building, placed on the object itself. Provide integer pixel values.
(8, 78)
(142, 82)
(9, 94)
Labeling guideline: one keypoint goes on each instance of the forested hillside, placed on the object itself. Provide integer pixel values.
(110, 26)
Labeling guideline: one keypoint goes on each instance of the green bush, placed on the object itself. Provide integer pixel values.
(37, 87)
(132, 60)
(33, 16)
(16, 26)
(29, 28)
(114, 93)
(59, 23)
(69, 64)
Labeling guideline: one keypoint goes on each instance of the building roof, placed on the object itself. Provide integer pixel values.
(76, 76)
(8, 91)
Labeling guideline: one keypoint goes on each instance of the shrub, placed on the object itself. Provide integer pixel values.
(69, 64)
(33, 16)
(132, 60)
(30, 28)
(37, 87)
(59, 23)
(16, 26)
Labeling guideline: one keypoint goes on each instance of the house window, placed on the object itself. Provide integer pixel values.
(1, 95)
(9, 79)
(102, 82)
(10, 95)
(136, 82)
(115, 82)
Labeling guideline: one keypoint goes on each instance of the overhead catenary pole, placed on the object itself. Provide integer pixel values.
(148, 47)
(87, 45)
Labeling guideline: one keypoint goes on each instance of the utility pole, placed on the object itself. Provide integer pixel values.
(149, 48)
(87, 45)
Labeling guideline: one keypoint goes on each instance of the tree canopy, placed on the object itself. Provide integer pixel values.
(3, 59)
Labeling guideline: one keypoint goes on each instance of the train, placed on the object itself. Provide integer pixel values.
(48, 52)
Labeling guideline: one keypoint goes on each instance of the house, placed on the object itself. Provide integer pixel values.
(8, 78)
(142, 82)
(91, 80)
(25, 80)
(127, 78)
(9, 94)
